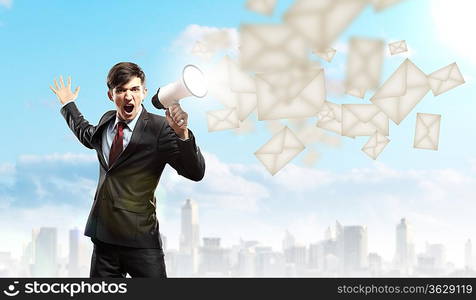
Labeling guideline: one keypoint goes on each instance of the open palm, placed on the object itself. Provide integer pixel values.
(63, 92)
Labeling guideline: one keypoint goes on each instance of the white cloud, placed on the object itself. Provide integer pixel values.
(17, 225)
(295, 178)
(238, 200)
(224, 186)
(453, 25)
(6, 3)
(214, 39)
(7, 169)
(57, 157)
(7, 174)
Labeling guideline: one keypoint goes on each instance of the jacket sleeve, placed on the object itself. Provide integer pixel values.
(78, 124)
(184, 156)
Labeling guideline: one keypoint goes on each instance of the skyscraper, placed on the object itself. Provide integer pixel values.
(213, 258)
(468, 255)
(355, 243)
(405, 249)
(73, 264)
(189, 236)
(46, 253)
(289, 241)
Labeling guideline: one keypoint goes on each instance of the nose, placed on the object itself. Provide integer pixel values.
(128, 95)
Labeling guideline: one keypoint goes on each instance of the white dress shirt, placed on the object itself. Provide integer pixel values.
(110, 132)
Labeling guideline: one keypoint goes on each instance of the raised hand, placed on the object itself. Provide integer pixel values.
(63, 92)
(178, 120)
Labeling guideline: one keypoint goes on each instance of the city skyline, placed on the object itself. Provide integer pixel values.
(48, 179)
(342, 251)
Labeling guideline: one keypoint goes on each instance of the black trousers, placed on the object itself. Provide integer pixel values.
(115, 261)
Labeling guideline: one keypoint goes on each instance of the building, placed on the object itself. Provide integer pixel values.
(213, 259)
(189, 238)
(468, 255)
(46, 260)
(73, 262)
(405, 249)
(355, 246)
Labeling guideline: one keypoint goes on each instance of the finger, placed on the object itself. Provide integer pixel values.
(69, 81)
(54, 91)
(61, 81)
(177, 108)
(167, 116)
(178, 117)
(76, 91)
(172, 113)
(173, 110)
(56, 85)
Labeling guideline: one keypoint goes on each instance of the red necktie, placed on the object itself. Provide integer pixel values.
(117, 143)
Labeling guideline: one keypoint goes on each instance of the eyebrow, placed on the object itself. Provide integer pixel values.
(123, 88)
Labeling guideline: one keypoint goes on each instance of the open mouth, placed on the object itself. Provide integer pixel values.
(128, 108)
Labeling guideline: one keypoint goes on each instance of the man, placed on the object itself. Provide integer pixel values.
(133, 146)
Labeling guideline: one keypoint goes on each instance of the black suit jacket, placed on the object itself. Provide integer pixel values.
(123, 212)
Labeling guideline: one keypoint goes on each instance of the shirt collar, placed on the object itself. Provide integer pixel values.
(130, 124)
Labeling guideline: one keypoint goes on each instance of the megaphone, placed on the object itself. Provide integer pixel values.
(192, 83)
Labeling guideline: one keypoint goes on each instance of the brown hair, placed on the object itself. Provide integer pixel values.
(122, 73)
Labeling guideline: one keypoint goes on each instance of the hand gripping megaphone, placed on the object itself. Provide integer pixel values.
(192, 83)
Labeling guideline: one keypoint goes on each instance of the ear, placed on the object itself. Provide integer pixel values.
(109, 95)
(145, 92)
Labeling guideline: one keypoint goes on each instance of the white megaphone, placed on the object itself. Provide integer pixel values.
(192, 83)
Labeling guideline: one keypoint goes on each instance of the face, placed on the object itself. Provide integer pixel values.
(128, 98)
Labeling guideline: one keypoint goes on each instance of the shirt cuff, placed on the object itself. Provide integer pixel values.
(67, 103)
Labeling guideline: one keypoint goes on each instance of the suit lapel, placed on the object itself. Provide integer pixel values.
(97, 136)
(135, 138)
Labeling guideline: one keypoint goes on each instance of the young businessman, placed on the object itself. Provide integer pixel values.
(133, 146)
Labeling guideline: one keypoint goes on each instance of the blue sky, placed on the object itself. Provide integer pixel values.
(43, 166)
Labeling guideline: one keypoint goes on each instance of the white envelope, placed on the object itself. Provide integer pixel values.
(380, 5)
(310, 158)
(445, 79)
(321, 22)
(363, 120)
(224, 95)
(375, 145)
(279, 151)
(427, 132)
(327, 55)
(265, 7)
(364, 65)
(398, 47)
(240, 81)
(271, 47)
(311, 134)
(402, 91)
(217, 40)
(274, 126)
(217, 74)
(304, 105)
(246, 104)
(246, 127)
(222, 120)
(201, 50)
(330, 117)
(286, 85)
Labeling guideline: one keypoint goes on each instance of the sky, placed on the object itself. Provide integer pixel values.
(47, 178)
